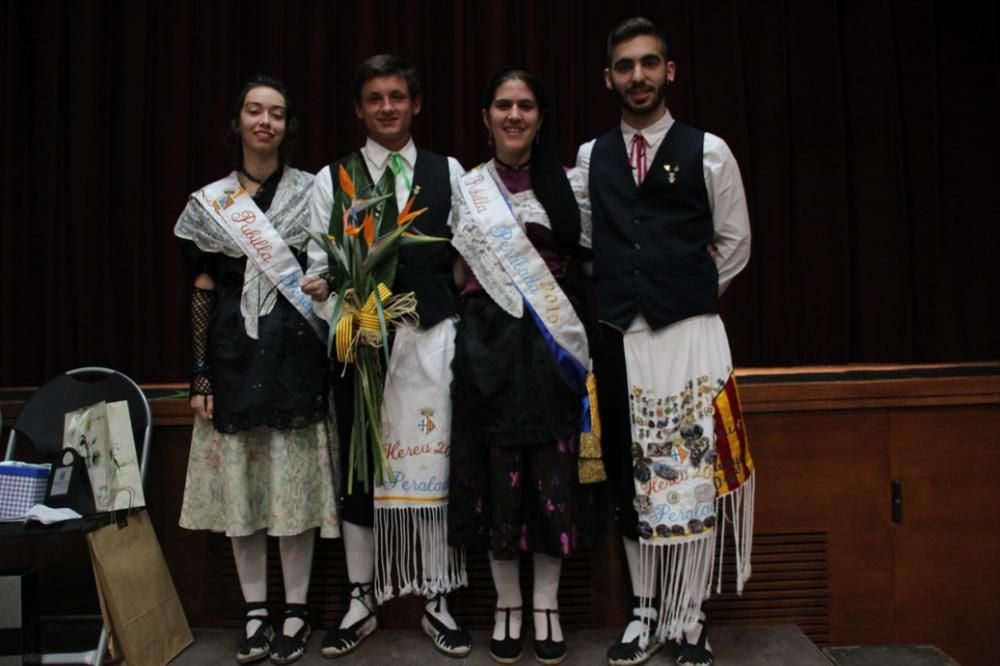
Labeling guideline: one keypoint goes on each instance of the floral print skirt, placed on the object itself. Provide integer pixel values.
(281, 481)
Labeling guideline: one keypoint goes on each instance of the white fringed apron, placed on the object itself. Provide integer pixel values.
(691, 465)
(412, 555)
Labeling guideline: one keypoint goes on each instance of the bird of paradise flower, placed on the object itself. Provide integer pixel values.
(362, 245)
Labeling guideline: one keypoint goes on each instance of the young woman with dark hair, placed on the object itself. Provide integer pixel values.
(262, 446)
(516, 410)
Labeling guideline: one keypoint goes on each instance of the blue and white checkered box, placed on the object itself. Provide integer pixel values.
(22, 486)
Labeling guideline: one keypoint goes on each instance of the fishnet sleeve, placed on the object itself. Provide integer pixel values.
(202, 303)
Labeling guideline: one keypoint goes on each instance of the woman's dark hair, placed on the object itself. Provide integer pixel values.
(234, 143)
(548, 178)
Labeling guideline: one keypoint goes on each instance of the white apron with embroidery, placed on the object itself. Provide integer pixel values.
(674, 377)
(412, 555)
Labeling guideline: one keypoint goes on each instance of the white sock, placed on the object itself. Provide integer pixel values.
(693, 632)
(636, 628)
(296, 567)
(439, 609)
(251, 627)
(250, 555)
(546, 595)
(359, 546)
(506, 579)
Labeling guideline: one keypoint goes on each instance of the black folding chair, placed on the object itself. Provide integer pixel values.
(41, 422)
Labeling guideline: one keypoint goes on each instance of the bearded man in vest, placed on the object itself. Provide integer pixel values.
(670, 231)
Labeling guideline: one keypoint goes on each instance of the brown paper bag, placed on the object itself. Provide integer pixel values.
(138, 598)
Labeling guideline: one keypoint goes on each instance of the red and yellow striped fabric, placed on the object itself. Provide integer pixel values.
(733, 464)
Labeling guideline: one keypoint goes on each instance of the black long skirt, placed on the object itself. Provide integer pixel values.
(513, 484)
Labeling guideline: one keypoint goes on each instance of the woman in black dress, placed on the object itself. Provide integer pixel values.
(516, 415)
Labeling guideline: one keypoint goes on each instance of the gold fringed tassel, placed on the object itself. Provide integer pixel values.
(590, 467)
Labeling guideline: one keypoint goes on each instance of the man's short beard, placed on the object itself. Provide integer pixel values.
(661, 95)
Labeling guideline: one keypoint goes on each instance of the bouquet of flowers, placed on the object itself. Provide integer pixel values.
(361, 247)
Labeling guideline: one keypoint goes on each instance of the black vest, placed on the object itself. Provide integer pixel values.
(426, 269)
(649, 241)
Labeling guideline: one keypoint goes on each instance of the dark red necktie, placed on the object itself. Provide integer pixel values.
(637, 158)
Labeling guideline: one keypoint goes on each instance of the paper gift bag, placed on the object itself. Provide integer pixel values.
(138, 598)
(102, 435)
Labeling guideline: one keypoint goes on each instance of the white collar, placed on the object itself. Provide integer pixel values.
(653, 134)
(378, 155)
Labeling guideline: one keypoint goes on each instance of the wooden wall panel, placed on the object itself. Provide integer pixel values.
(789, 585)
(829, 472)
(947, 548)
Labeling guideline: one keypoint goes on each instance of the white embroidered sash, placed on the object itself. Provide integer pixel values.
(276, 268)
(526, 269)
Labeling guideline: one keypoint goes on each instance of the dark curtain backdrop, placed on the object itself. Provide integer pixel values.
(866, 133)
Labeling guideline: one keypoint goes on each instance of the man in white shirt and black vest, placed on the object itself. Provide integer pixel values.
(386, 100)
(670, 231)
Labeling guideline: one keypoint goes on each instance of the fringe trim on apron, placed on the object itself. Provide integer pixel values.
(683, 572)
(412, 555)
(736, 516)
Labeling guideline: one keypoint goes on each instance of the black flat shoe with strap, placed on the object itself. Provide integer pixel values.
(631, 653)
(288, 649)
(258, 645)
(341, 641)
(697, 653)
(508, 650)
(453, 642)
(548, 651)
